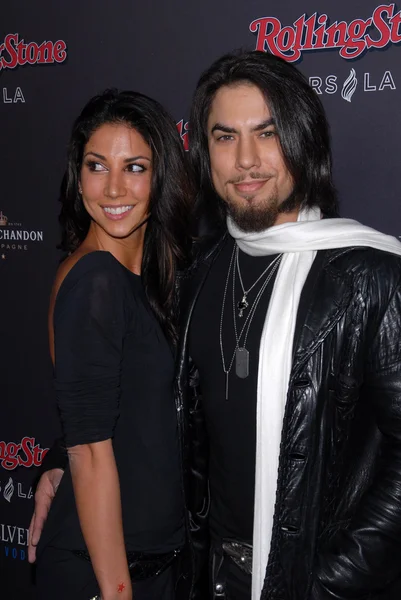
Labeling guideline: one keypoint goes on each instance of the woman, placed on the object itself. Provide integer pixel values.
(118, 513)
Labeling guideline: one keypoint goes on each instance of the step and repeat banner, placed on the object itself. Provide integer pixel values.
(53, 57)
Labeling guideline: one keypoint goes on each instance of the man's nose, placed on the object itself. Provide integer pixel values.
(247, 154)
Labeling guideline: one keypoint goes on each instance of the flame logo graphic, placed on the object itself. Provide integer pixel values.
(8, 490)
(349, 86)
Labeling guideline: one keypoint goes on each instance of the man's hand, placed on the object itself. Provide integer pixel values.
(44, 495)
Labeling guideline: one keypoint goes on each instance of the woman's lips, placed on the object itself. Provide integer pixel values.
(116, 213)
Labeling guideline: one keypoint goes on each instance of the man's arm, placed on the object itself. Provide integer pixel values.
(50, 472)
(366, 557)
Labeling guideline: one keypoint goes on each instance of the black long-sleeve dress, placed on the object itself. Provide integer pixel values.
(114, 374)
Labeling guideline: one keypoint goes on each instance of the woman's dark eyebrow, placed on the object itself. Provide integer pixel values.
(126, 160)
(95, 154)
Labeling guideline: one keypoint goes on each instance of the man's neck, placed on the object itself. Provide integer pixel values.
(287, 217)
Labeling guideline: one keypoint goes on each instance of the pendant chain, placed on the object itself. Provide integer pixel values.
(269, 266)
(255, 303)
(243, 303)
(248, 320)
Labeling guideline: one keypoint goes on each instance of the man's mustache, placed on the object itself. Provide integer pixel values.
(252, 175)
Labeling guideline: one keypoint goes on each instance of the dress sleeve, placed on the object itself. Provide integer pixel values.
(89, 332)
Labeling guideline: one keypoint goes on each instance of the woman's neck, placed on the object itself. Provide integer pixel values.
(128, 251)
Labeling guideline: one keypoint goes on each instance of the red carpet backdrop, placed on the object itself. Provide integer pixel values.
(53, 57)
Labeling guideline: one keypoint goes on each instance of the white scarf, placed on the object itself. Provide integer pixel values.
(298, 242)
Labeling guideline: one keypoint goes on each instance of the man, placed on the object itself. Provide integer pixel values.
(291, 345)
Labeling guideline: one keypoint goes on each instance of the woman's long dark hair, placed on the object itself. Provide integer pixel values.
(167, 241)
(300, 122)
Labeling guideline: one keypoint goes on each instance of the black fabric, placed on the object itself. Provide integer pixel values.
(114, 372)
(337, 522)
(55, 458)
(231, 425)
(64, 576)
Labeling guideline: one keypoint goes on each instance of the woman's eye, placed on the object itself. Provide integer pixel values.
(135, 168)
(94, 166)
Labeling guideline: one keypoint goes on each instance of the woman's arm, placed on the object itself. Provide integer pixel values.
(97, 496)
(89, 329)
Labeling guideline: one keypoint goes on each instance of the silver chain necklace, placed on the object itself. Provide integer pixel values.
(243, 303)
(241, 354)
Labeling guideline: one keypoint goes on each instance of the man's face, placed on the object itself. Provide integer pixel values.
(247, 164)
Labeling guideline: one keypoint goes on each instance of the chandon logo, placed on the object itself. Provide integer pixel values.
(314, 33)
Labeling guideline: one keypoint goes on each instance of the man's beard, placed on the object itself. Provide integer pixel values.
(253, 219)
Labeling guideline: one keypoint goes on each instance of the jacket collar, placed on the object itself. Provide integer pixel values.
(325, 298)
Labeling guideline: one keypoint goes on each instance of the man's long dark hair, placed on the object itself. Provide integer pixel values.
(166, 243)
(300, 121)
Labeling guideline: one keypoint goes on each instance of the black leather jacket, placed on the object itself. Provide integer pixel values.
(337, 523)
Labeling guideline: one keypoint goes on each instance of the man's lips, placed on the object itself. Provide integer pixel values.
(248, 187)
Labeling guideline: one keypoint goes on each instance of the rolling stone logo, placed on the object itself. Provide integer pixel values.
(182, 127)
(26, 453)
(16, 53)
(314, 33)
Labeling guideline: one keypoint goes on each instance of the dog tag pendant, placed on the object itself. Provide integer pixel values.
(242, 362)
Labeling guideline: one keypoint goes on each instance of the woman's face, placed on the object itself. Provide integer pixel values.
(116, 179)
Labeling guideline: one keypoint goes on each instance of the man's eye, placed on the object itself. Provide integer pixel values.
(135, 168)
(267, 134)
(224, 138)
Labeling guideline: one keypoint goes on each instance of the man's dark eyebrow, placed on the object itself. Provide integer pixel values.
(126, 160)
(226, 129)
(264, 124)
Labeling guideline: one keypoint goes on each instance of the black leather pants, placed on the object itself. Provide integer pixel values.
(228, 581)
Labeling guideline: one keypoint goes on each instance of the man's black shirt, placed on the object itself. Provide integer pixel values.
(231, 424)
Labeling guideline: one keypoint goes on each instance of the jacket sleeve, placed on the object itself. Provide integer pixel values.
(364, 559)
(198, 489)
